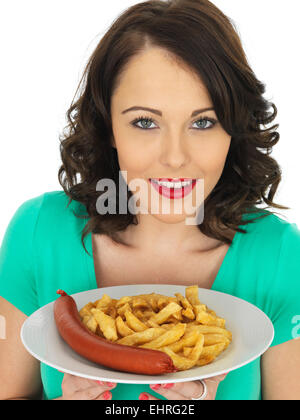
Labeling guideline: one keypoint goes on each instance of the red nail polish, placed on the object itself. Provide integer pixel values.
(155, 387)
(143, 396)
(106, 395)
(167, 386)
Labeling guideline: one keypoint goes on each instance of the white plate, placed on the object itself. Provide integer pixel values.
(252, 332)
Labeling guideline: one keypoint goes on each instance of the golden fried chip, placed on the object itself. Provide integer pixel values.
(199, 308)
(168, 337)
(150, 323)
(188, 311)
(104, 302)
(211, 312)
(197, 349)
(205, 360)
(123, 329)
(213, 350)
(187, 351)
(85, 318)
(141, 337)
(166, 312)
(180, 362)
(188, 339)
(207, 329)
(139, 314)
(205, 318)
(124, 308)
(210, 339)
(92, 324)
(140, 303)
(167, 326)
(153, 303)
(86, 310)
(111, 311)
(106, 323)
(123, 301)
(162, 302)
(177, 316)
(134, 323)
(191, 293)
(187, 330)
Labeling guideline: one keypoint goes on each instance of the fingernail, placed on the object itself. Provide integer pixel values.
(106, 383)
(167, 386)
(155, 387)
(143, 396)
(106, 395)
(111, 384)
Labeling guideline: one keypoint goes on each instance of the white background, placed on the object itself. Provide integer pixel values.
(45, 46)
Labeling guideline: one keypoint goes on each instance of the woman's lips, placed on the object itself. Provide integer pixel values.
(173, 193)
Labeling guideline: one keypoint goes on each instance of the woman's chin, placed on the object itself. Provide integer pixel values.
(171, 218)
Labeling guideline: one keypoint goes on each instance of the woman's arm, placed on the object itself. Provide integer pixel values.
(20, 376)
(280, 367)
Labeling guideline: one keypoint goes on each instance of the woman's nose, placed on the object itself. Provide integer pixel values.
(174, 152)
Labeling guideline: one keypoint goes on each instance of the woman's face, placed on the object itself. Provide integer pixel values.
(172, 141)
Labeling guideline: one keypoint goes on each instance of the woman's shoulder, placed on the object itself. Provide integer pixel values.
(52, 202)
(269, 232)
(48, 212)
(265, 222)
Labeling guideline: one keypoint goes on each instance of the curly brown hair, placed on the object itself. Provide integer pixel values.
(200, 36)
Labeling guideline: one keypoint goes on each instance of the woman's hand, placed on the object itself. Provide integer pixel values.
(76, 388)
(185, 390)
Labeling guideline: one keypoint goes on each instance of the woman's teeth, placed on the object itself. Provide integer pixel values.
(173, 184)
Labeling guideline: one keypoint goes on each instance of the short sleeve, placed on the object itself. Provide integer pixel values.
(286, 290)
(17, 277)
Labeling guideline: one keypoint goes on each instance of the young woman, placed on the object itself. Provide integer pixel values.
(168, 94)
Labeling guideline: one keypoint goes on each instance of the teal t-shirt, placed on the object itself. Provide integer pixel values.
(42, 251)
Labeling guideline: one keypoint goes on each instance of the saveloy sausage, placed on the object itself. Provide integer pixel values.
(102, 351)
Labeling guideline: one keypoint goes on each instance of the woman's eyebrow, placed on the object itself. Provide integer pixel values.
(157, 112)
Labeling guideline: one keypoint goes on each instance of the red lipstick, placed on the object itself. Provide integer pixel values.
(173, 193)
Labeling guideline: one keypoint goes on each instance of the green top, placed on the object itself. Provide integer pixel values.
(42, 252)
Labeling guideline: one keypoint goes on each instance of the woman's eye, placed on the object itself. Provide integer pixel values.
(202, 124)
(145, 123)
(205, 123)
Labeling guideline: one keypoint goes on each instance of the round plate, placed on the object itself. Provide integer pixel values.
(251, 329)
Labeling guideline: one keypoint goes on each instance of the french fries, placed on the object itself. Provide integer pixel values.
(182, 326)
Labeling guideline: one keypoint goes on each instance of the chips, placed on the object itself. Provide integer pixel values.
(182, 327)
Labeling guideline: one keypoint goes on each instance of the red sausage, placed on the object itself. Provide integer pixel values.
(102, 351)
